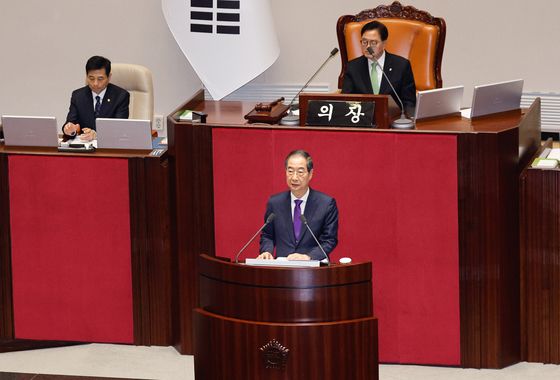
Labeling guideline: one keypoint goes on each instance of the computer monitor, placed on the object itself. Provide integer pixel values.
(438, 102)
(497, 97)
(123, 134)
(30, 131)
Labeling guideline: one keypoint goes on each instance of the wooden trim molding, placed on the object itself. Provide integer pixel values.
(6, 299)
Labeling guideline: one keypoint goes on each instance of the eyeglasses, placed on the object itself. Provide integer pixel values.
(372, 43)
(298, 173)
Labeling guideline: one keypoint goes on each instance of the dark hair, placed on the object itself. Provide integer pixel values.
(302, 153)
(97, 62)
(376, 25)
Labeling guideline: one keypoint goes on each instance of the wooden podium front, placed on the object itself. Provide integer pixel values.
(284, 323)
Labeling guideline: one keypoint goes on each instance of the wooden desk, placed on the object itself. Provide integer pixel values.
(84, 247)
(435, 209)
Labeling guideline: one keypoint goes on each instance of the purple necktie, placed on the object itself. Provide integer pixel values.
(297, 219)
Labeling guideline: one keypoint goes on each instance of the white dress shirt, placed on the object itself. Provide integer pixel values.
(101, 95)
(381, 62)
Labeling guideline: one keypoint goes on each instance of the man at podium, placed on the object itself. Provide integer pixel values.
(364, 76)
(287, 231)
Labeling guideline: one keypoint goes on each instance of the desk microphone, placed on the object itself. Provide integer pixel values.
(292, 119)
(402, 122)
(304, 220)
(270, 218)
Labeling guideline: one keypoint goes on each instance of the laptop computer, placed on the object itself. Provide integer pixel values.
(496, 97)
(438, 102)
(123, 134)
(30, 131)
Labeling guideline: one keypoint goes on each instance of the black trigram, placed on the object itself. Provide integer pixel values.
(226, 22)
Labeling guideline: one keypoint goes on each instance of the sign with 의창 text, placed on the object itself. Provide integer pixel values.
(338, 113)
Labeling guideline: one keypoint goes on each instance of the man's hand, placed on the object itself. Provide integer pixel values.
(298, 256)
(71, 129)
(88, 135)
(265, 256)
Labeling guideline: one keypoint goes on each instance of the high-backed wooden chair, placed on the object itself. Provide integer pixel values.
(413, 34)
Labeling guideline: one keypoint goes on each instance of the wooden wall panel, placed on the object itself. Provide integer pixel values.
(152, 257)
(540, 265)
(489, 249)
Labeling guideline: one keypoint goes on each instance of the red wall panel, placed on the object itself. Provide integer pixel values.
(70, 229)
(397, 199)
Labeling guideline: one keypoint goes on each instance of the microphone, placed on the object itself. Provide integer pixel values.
(270, 218)
(304, 220)
(292, 119)
(402, 122)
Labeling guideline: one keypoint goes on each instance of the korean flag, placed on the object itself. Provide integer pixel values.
(227, 42)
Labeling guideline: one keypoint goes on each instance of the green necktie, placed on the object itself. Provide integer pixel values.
(374, 80)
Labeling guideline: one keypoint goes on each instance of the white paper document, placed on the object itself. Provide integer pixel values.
(554, 154)
(283, 262)
(466, 112)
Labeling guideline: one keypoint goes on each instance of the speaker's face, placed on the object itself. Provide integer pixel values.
(297, 176)
(371, 38)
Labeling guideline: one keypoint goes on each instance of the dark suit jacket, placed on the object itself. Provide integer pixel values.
(114, 105)
(322, 216)
(357, 79)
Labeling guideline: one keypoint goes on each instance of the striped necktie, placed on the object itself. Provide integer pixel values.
(97, 105)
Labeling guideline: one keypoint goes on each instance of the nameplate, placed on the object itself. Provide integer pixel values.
(339, 113)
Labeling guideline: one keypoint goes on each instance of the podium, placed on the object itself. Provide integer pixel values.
(284, 323)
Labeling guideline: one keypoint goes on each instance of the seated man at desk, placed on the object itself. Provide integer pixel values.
(98, 99)
(364, 76)
(287, 232)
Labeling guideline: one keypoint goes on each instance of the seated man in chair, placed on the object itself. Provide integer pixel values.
(98, 99)
(364, 76)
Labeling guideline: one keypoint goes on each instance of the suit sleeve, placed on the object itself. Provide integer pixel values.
(267, 234)
(408, 90)
(348, 83)
(122, 111)
(73, 114)
(329, 233)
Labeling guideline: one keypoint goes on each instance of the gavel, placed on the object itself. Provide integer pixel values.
(267, 107)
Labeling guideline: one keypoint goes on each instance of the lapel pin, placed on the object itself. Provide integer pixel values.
(390, 69)
(108, 100)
